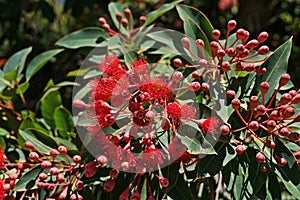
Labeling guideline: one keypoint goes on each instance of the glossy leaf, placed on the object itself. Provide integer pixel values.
(28, 180)
(16, 62)
(48, 105)
(63, 121)
(29, 136)
(276, 65)
(114, 8)
(195, 24)
(152, 16)
(39, 61)
(87, 37)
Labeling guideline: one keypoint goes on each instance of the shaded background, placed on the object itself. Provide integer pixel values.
(41, 23)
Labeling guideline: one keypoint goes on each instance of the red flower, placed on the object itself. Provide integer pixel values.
(111, 67)
(2, 191)
(188, 112)
(104, 116)
(103, 88)
(1, 158)
(173, 110)
(210, 125)
(139, 66)
(158, 90)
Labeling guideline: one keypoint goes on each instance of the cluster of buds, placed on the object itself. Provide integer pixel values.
(59, 172)
(235, 53)
(125, 20)
(269, 121)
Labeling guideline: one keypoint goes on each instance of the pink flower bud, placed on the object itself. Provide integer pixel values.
(239, 48)
(225, 66)
(60, 178)
(34, 156)
(79, 103)
(119, 16)
(261, 109)
(239, 149)
(90, 169)
(216, 34)
(196, 75)
(164, 182)
(29, 145)
(231, 25)
(125, 166)
(79, 185)
(271, 124)
(109, 185)
(270, 143)
(261, 71)
(53, 153)
(127, 13)
(230, 94)
(284, 131)
(214, 46)
(252, 44)
(296, 99)
(285, 98)
(77, 159)
(284, 79)
(253, 101)
(204, 86)
(230, 52)
(43, 176)
(124, 22)
(135, 195)
(280, 161)
(62, 150)
(194, 86)
(254, 125)
(102, 160)
(46, 164)
(221, 53)
(200, 44)
(224, 130)
(124, 195)
(64, 193)
(178, 62)
(185, 42)
(263, 50)
(264, 87)
(263, 36)
(102, 21)
(177, 76)
(54, 171)
(106, 27)
(250, 67)
(235, 103)
(142, 20)
(260, 157)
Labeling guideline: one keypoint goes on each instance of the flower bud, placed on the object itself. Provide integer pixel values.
(113, 173)
(285, 98)
(284, 79)
(194, 86)
(185, 42)
(204, 86)
(270, 143)
(264, 87)
(271, 124)
(230, 52)
(239, 149)
(264, 167)
(124, 195)
(239, 48)
(119, 16)
(297, 118)
(196, 75)
(64, 193)
(90, 169)
(221, 53)
(77, 159)
(250, 67)
(142, 20)
(216, 34)
(79, 103)
(102, 160)
(274, 115)
(253, 101)
(53, 153)
(225, 66)
(200, 44)
(62, 150)
(164, 182)
(125, 166)
(135, 195)
(109, 185)
(252, 44)
(260, 157)
(214, 46)
(60, 178)
(54, 171)
(254, 125)
(101, 21)
(46, 164)
(284, 131)
(230, 94)
(127, 13)
(124, 22)
(235, 103)
(177, 76)
(294, 136)
(263, 36)
(34, 156)
(178, 63)
(263, 50)
(231, 25)
(261, 71)
(280, 161)
(261, 109)
(29, 145)
(79, 185)
(224, 130)
(296, 99)
(43, 176)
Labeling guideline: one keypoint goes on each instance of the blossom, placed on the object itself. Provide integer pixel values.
(112, 68)
(2, 191)
(1, 157)
(210, 125)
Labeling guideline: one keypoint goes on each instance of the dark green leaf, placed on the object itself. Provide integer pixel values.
(152, 16)
(196, 25)
(29, 179)
(87, 37)
(16, 62)
(29, 136)
(48, 105)
(274, 186)
(276, 65)
(63, 121)
(39, 61)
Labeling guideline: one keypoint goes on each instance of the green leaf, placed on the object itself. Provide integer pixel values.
(39, 61)
(63, 121)
(2, 143)
(152, 16)
(4, 133)
(22, 88)
(276, 65)
(113, 8)
(195, 24)
(29, 136)
(16, 63)
(87, 37)
(178, 187)
(48, 105)
(28, 180)
(274, 186)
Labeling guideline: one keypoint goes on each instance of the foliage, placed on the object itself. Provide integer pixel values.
(227, 125)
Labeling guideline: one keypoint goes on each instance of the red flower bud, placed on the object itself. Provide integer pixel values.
(124, 195)
(79, 185)
(200, 44)
(54, 171)
(60, 178)
(230, 94)
(280, 161)
(221, 53)
(185, 42)
(29, 145)
(77, 159)
(225, 66)
(90, 169)
(285, 98)
(43, 176)
(101, 21)
(270, 143)
(194, 86)
(230, 52)
(62, 150)
(178, 63)
(216, 34)
(109, 185)
(253, 101)
(252, 44)
(119, 16)
(296, 99)
(164, 182)
(264, 87)
(204, 86)
(135, 195)
(46, 164)
(263, 50)
(235, 103)
(231, 25)
(53, 153)
(263, 36)
(239, 149)
(254, 125)
(260, 157)
(224, 130)
(196, 75)
(284, 79)
(261, 109)
(284, 131)
(34, 156)
(239, 48)
(271, 124)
